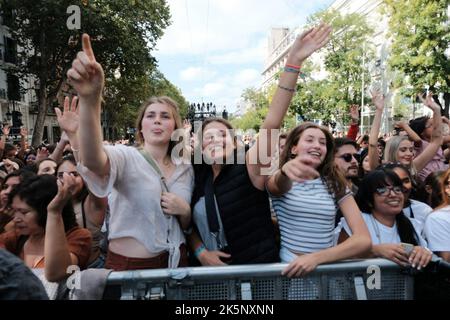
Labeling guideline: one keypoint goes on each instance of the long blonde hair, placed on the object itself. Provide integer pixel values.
(390, 153)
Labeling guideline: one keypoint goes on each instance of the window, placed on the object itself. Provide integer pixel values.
(10, 50)
(13, 87)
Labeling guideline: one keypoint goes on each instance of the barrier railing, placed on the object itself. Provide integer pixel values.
(372, 279)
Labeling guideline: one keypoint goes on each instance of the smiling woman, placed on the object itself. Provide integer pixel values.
(46, 234)
(149, 193)
(231, 208)
(380, 197)
(307, 172)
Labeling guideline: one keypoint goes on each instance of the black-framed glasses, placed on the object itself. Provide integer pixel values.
(348, 157)
(385, 191)
(72, 173)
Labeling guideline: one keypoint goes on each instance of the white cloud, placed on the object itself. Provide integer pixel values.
(219, 44)
(247, 77)
(212, 89)
(196, 74)
(251, 54)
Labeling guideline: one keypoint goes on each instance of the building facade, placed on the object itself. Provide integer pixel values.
(380, 76)
(18, 102)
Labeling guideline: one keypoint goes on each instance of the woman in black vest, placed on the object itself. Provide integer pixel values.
(230, 206)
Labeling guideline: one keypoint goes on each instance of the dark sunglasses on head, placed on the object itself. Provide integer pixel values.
(385, 191)
(348, 157)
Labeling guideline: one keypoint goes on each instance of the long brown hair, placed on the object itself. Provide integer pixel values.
(329, 173)
(175, 112)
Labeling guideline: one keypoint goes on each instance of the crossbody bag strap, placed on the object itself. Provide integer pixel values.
(155, 166)
(210, 204)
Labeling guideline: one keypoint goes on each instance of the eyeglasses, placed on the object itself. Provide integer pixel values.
(72, 173)
(385, 191)
(348, 157)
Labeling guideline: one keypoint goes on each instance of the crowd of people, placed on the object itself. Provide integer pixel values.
(124, 207)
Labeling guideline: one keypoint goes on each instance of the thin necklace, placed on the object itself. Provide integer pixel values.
(377, 230)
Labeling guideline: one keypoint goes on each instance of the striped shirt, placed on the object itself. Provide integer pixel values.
(306, 216)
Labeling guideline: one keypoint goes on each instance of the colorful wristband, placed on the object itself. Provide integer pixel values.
(293, 66)
(199, 250)
(293, 70)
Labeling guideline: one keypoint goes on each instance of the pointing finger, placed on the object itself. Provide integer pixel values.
(87, 48)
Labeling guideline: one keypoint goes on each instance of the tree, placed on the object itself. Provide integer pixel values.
(123, 97)
(123, 33)
(259, 106)
(420, 37)
(330, 98)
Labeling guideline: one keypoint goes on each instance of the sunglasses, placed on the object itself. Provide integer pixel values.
(348, 157)
(385, 191)
(71, 173)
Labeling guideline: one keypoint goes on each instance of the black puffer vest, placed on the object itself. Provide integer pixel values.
(245, 214)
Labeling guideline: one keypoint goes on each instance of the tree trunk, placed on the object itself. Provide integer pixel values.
(38, 131)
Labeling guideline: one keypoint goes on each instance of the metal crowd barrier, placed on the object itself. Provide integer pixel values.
(346, 280)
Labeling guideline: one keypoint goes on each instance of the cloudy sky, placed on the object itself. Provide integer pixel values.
(214, 49)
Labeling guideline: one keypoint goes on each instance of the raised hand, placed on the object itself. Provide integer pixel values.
(10, 166)
(309, 42)
(86, 74)
(400, 125)
(187, 125)
(66, 187)
(429, 101)
(354, 113)
(378, 100)
(42, 153)
(69, 120)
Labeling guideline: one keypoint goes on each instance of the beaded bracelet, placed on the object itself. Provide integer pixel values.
(287, 89)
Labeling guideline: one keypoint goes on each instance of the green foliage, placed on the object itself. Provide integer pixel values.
(346, 60)
(253, 118)
(421, 35)
(123, 33)
(329, 99)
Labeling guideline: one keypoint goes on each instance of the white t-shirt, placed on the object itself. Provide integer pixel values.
(380, 233)
(421, 211)
(437, 230)
(135, 200)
